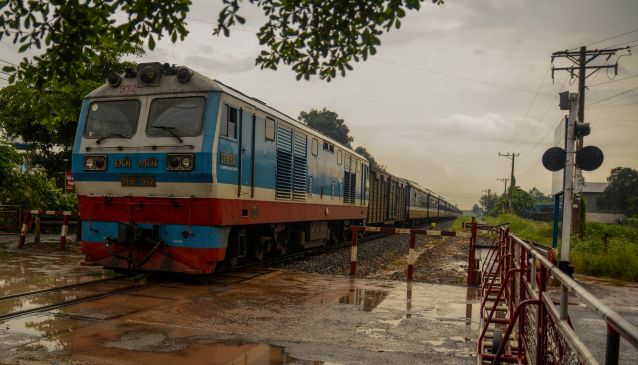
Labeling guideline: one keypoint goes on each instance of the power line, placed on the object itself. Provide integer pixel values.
(11, 63)
(613, 37)
(613, 106)
(545, 136)
(456, 76)
(532, 103)
(614, 80)
(613, 96)
(615, 120)
(551, 103)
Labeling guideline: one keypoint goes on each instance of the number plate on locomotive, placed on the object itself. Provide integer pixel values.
(136, 180)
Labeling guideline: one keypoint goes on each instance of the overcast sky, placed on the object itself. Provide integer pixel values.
(456, 85)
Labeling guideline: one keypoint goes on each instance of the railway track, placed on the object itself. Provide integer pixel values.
(71, 294)
(82, 292)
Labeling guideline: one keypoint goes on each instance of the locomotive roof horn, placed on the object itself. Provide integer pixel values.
(149, 73)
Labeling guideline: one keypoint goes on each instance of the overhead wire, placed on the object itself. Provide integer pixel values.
(551, 103)
(456, 76)
(11, 63)
(612, 81)
(612, 37)
(613, 96)
(531, 104)
(613, 106)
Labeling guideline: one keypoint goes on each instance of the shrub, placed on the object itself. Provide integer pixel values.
(34, 189)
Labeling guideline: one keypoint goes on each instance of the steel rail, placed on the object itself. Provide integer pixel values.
(72, 301)
(613, 319)
(28, 293)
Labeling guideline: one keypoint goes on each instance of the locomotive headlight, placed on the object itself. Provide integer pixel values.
(95, 162)
(187, 163)
(173, 162)
(89, 164)
(180, 162)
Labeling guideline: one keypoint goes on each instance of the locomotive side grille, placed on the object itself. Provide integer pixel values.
(349, 181)
(283, 182)
(292, 165)
(300, 167)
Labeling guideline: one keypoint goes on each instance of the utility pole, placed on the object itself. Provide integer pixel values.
(504, 180)
(512, 156)
(581, 59)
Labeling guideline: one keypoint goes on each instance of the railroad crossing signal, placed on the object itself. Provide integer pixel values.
(588, 158)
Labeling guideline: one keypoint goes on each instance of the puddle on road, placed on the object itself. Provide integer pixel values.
(364, 300)
(21, 272)
(127, 343)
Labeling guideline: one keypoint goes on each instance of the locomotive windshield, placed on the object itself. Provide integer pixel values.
(176, 117)
(108, 118)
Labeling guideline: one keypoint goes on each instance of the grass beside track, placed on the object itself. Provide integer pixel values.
(588, 254)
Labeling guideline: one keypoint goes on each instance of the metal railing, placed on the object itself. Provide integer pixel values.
(536, 329)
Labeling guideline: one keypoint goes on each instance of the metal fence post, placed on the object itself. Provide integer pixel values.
(353, 254)
(24, 228)
(411, 255)
(613, 346)
(65, 231)
(472, 267)
(38, 230)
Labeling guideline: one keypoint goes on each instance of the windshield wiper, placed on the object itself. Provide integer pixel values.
(112, 135)
(169, 130)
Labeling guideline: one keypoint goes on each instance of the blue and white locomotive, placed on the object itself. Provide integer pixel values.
(178, 172)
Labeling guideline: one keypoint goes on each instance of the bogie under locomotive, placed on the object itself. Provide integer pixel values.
(178, 172)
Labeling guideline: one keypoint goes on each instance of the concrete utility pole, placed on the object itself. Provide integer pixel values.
(580, 61)
(504, 180)
(570, 166)
(512, 156)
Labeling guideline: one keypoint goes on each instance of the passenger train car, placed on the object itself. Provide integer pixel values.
(178, 172)
(399, 202)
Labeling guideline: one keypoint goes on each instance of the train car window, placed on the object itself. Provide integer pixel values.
(176, 117)
(332, 148)
(325, 146)
(228, 127)
(270, 129)
(315, 147)
(117, 118)
(339, 157)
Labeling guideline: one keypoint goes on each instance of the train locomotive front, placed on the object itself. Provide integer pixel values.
(177, 172)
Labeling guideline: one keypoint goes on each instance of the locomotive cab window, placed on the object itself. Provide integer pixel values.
(228, 127)
(270, 129)
(112, 118)
(182, 117)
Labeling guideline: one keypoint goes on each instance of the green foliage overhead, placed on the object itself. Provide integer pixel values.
(73, 33)
(9, 158)
(328, 123)
(315, 37)
(622, 192)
